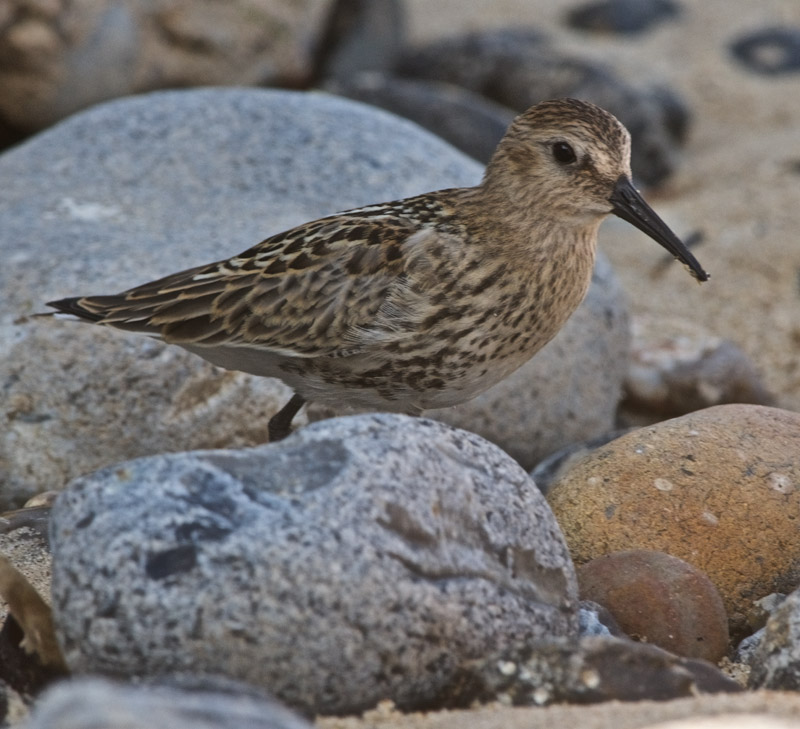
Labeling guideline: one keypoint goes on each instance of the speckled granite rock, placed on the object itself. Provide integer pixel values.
(362, 558)
(775, 661)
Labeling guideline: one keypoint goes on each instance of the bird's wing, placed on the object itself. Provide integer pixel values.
(329, 287)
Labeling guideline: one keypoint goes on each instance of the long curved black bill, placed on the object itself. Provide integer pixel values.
(631, 207)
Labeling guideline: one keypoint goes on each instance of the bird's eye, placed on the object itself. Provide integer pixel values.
(563, 153)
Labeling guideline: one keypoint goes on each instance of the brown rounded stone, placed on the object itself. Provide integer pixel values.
(659, 599)
(719, 488)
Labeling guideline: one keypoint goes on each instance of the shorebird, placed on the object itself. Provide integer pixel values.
(414, 304)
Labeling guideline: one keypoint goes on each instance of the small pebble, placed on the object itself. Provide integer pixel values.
(469, 121)
(170, 702)
(595, 619)
(677, 366)
(771, 51)
(659, 599)
(360, 559)
(622, 16)
(775, 659)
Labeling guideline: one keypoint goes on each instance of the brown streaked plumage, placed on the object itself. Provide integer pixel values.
(414, 304)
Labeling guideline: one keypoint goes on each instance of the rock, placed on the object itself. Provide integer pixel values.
(581, 400)
(594, 619)
(30, 656)
(90, 703)
(770, 51)
(360, 559)
(518, 68)
(137, 189)
(762, 608)
(659, 599)
(717, 488)
(145, 186)
(550, 469)
(63, 56)
(469, 121)
(589, 670)
(622, 16)
(746, 648)
(22, 674)
(775, 660)
(676, 367)
(361, 35)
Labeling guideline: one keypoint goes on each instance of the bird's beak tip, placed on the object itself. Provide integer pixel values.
(628, 204)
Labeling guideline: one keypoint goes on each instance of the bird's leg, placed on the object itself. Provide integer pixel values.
(280, 424)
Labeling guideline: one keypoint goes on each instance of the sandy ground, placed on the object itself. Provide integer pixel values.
(612, 715)
(739, 183)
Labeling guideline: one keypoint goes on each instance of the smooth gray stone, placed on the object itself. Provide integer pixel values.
(469, 121)
(95, 703)
(625, 17)
(362, 558)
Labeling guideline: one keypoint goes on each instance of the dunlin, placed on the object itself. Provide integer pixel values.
(414, 304)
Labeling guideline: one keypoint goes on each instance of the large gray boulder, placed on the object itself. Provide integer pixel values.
(362, 558)
(141, 187)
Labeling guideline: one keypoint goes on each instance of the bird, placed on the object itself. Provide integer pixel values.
(418, 303)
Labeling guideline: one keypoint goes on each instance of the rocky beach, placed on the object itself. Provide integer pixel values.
(606, 538)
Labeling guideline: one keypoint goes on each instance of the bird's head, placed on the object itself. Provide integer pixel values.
(571, 161)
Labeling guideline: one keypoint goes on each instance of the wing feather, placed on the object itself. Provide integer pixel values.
(330, 287)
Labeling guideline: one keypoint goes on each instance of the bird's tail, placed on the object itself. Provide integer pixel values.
(75, 307)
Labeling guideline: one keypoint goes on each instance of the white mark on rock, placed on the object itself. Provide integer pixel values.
(88, 211)
(590, 678)
(781, 482)
(507, 668)
(709, 518)
(663, 484)
(541, 696)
